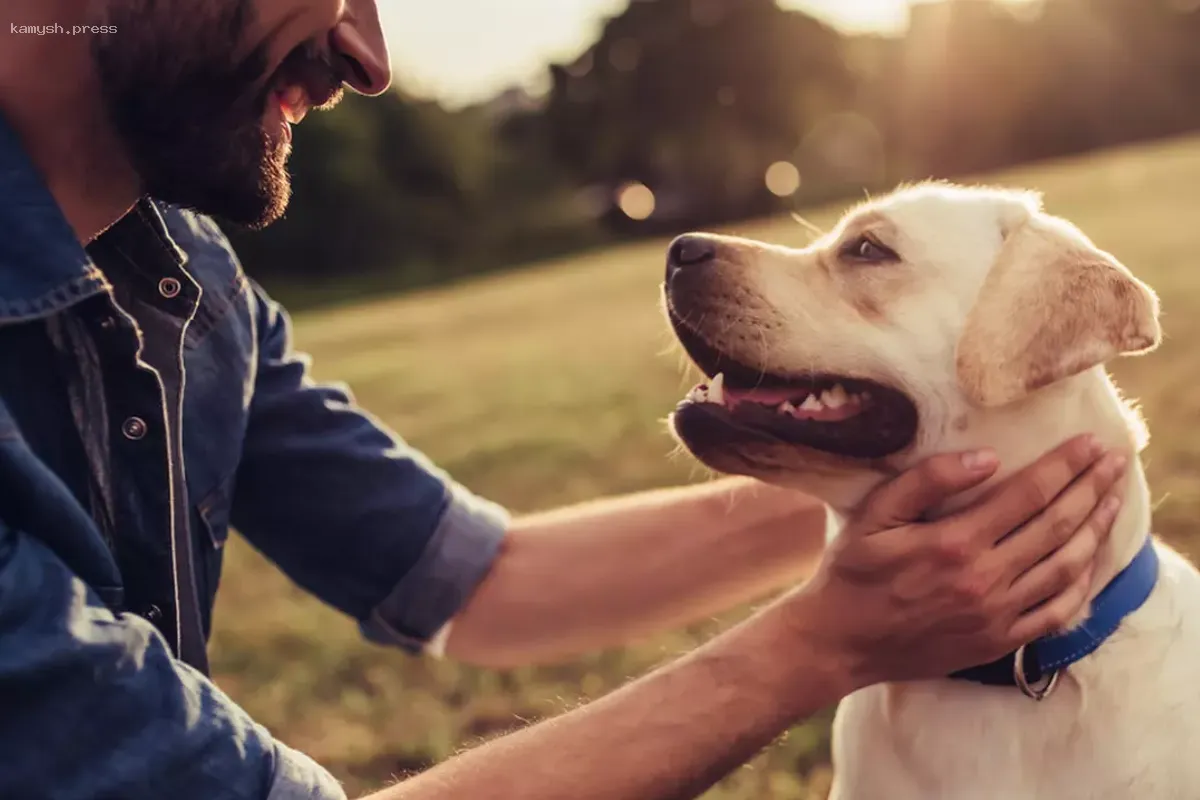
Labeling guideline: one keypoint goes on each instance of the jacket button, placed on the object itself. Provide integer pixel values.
(169, 287)
(134, 428)
(153, 613)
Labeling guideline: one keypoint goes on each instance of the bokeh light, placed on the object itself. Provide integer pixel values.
(783, 179)
(636, 201)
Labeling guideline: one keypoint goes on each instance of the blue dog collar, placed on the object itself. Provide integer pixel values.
(1039, 663)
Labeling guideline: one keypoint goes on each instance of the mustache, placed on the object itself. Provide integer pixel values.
(317, 71)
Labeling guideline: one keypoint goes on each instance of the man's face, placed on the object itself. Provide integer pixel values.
(203, 93)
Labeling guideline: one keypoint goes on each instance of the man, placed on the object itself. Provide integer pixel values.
(150, 399)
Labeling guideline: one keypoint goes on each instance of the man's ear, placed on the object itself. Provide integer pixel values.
(1052, 306)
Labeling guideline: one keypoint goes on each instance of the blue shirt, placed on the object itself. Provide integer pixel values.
(150, 399)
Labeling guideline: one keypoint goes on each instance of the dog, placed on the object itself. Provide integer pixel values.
(944, 318)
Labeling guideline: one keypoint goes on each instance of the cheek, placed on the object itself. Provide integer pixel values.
(881, 293)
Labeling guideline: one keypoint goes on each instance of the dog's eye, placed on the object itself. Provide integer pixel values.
(865, 248)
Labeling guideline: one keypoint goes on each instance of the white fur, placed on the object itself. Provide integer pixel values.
(1124, 722)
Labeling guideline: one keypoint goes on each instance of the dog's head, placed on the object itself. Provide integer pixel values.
(920, 315)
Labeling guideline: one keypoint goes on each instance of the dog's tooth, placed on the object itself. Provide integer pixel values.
(786, 408)
(835, 397)
(811, 403)
(716, 390)
(697, 395)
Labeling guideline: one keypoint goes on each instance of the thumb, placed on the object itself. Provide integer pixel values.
(904, 499)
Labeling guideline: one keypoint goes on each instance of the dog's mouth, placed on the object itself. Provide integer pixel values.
(841, 415)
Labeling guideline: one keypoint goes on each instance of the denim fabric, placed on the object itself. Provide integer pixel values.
(141, 419)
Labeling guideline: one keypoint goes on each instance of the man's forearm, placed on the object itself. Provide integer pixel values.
(603, 573)
(669, 735)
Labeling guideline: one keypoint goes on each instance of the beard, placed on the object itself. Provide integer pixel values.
(190, 115)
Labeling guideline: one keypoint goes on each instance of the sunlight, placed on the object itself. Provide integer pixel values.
(889, 16)
(467, 50)
(1024, 10)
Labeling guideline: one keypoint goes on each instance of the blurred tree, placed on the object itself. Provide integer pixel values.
(405, 189)
(696, 98)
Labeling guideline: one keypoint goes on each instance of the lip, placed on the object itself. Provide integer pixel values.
(887, 423)
(293, 102)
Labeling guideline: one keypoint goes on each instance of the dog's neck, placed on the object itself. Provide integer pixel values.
(1087, 403)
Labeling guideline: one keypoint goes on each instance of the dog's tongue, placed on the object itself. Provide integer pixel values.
(766, 397)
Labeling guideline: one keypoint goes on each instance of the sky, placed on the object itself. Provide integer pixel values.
(461, 51)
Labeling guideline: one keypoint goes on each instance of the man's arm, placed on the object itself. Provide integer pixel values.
(369, 525)
(347, 509)
(669, 735)
(604, 573)
(894, 601)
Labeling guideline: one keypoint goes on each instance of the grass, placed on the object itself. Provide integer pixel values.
(549, 386)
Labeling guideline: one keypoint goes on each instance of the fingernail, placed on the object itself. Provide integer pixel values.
(980, 460)
(1095, 447)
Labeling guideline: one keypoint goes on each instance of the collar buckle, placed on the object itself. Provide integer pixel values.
(1040, 689)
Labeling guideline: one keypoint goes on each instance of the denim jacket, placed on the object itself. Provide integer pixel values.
(150, 399)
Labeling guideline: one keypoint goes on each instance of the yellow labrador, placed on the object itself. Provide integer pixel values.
(945, 318)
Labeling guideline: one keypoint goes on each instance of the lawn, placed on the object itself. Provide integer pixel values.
(549, 385)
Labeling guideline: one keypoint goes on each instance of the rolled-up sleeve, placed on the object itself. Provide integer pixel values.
(350, 511)
(94, 705)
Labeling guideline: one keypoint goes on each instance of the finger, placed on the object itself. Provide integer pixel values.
(905, 498)
(1057, 573)
(1054, 615)
(1028, 492)
(1059, 524)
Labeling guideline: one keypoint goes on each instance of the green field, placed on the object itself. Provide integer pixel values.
(549, 385)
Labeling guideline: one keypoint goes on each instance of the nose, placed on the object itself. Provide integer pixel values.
(358, 39)
(690, 250)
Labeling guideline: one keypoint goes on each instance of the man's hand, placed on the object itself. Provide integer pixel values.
(905, 600)
(893, 600)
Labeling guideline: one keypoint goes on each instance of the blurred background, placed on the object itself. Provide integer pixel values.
(478, 253)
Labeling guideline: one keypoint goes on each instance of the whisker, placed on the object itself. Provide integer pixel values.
(815, 230)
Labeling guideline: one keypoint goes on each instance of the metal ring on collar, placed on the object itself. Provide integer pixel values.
(1044, 687)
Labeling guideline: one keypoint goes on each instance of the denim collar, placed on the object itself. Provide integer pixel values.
(43, 267)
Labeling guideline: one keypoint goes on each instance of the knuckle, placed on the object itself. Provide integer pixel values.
(954, 548)
(1068, 571)
(1035, 493)
(1063, 527)
(973, 590)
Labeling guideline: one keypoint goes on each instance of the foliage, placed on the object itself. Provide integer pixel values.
(695, 99)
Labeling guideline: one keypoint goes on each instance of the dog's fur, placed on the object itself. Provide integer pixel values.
(996, 322)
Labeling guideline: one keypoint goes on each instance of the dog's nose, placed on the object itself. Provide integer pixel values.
(689, 250)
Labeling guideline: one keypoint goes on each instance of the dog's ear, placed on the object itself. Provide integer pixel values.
(1052, 306)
